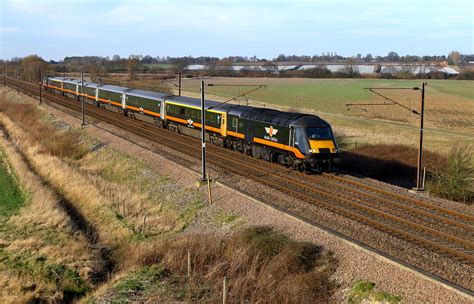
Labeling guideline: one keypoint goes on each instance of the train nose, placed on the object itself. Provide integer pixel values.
(322, 146)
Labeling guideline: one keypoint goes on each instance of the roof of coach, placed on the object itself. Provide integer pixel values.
(195, 102)
(148, 94)
(91, 84)
(57, 78)
(71, 80)
(237, 110)
(310, 121)
(112, 88)
(271, 116)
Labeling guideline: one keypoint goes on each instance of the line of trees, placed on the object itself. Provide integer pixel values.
(407, 67)
(453, 58)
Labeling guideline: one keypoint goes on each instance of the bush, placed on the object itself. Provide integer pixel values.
(387, 76)
(342, 140)
(260, 264)
(455, 181)
(317, 72)
(466, 75)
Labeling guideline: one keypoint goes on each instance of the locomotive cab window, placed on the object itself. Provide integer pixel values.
(318, 133)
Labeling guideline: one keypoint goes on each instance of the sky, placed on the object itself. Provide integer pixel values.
(54, 29)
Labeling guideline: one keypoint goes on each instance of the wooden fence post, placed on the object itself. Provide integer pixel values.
(189, 263)
(224, 291)
(209, 188)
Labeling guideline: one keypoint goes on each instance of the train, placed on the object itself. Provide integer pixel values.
(299, 141)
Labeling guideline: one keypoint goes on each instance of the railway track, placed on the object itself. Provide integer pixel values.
(442, 230)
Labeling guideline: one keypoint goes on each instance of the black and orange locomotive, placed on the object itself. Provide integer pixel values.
(300, 141)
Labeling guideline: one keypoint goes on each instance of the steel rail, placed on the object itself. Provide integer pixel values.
(399, 196)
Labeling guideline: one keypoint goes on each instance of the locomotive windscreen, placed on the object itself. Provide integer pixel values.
(318, 133)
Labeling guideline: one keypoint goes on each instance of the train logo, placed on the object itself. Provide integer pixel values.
(271, 131)
(190, 122)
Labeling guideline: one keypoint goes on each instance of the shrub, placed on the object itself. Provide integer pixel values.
(260, 264)
(466, 75)
(455, 181)
(342, 140)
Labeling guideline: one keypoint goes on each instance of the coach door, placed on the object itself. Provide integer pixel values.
(291, 140)
(224, 124)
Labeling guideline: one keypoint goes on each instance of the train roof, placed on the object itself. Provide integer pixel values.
(195, 102)
(113, 88)
(272, 116)
(237, 110)
(71, 80)
(91, 84)
(56, 78)
(148, 94)
(310, 121)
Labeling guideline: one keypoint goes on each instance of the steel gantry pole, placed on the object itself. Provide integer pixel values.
(419, 178)
(179, 84)
(82, 98)
(18, 79)
(203, 132)
(40, 83)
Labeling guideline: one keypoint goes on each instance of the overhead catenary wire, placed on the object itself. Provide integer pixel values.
(372, 90)
(237, 96)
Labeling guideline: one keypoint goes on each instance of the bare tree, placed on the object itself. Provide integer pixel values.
(270, 67)
(180, 65)
(454, 58)
(29, 67)
(132, 64)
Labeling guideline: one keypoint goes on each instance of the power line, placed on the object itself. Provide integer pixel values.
(240, 95)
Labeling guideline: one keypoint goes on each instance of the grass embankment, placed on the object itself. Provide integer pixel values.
(117, 202)
(97, 201)
(259, 265)
(43, 258)
(11, 197)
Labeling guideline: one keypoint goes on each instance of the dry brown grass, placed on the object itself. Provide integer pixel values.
(40, 237)
(66, 143)
(260, 265)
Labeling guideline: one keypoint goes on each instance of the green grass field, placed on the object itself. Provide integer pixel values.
(11, 197)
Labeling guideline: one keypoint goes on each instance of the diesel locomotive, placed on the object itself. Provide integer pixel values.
(300, 141)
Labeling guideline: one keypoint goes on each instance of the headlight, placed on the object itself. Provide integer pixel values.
(334, 150)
